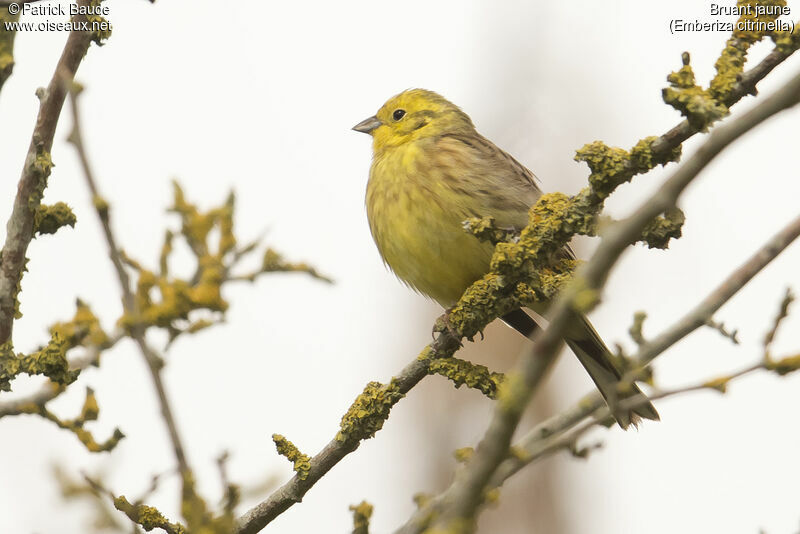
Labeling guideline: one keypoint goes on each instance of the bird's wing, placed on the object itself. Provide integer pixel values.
(501, 185)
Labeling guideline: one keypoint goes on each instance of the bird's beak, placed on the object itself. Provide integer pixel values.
(367, 125)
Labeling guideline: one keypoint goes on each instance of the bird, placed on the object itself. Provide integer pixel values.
(431, 170)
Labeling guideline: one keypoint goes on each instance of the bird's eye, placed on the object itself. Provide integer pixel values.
(398, 114)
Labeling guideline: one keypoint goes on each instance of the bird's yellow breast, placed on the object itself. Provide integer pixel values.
(416, 218)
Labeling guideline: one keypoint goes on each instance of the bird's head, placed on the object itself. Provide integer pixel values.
(412, 115)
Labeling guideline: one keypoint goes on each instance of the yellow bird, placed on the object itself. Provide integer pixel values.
(431, 170)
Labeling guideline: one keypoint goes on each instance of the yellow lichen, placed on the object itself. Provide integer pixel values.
(302, 462)
(720, 384)
(147, 517)
(84, 328)
(49, 218)
(7, 45)
(492, 496)
(362, 513)
(700, 107)
(101, 205)
(273, 262)
(369, 411)
(464, 454)
(39, 169)
(659, 232)
(784, 366)
(519, 453)
(757, 20)
(609, 167)
(644, 158)
(462, 372)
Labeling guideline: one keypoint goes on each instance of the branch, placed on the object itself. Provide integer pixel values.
(467, 492)
(293, 491)
(531, 450)
(137, 332)
(727, 289)
(34, 176)
(51, 390)
(101, 208)
(446, 344)
(561, 431)
(621, 234)
(7, 46)
(746, 85)
(680, 329)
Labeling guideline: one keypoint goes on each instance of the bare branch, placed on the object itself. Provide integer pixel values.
(698, 316)
(783, 312)
(733, 335)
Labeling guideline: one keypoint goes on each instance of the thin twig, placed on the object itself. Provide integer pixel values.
(102, 209)
(698, 316)
(153, 360)
(783, 312)
(562, 433)
(680, 329)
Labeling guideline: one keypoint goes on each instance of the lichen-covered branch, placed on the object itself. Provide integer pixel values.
(521, 273)
(51, 360)
(288, 449)
(35, 172)
(684, 326)
(148, 517)
(364, 418)
(462, 372)
(162, 300)
(562, 431)
(51, 389)
(89, 412)
(463, 503)
(6, 46)
(194, 507)
(467, 492)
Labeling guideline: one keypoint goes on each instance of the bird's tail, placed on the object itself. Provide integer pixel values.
(595, 357)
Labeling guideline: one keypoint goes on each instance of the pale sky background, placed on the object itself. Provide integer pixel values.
(259, 97)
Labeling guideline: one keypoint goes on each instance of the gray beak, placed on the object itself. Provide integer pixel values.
(367, 125)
